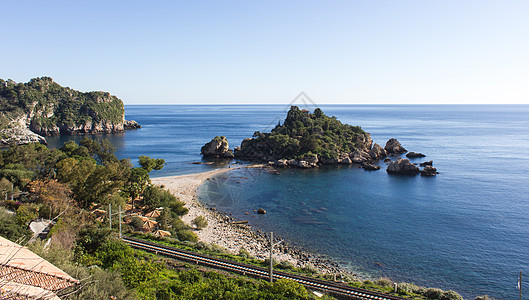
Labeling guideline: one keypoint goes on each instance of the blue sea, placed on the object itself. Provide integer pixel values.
(467, 229)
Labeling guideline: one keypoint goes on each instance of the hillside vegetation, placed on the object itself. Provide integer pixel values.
(304, 134)
(47, 108)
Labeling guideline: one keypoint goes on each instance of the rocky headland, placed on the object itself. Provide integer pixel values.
(218, 147)
(41, 107)
(309, 140)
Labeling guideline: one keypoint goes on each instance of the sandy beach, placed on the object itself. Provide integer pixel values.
(229, 236)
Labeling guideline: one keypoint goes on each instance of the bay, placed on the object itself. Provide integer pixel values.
(466, 229)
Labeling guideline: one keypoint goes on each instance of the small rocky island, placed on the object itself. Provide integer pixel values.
(41, 107)
(308, 140)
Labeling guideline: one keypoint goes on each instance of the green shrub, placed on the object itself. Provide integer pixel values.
(187, 235)
(433, 293)
(200, 222)
(10, 228)
(25, 213)
(384, 282)
(451, 295)
(136, 222)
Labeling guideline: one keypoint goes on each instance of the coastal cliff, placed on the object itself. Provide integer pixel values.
(46, 108)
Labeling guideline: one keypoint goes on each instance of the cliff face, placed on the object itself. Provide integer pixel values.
(47, 108)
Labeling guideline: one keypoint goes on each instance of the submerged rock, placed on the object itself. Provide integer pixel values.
(402, 166)
(218, 148)
(394, 147)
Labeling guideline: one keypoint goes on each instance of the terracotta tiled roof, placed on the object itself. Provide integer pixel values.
(21, 267)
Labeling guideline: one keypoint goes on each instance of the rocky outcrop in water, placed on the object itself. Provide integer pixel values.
(394, 147)
(426, 163)
(377, 152)
(370, 167)
(402, 166)
(429, 171)
(359, 156)
(131, 124)
(414, 155)
(218, 147)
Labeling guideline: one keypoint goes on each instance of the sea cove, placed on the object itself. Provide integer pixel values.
(465, 229)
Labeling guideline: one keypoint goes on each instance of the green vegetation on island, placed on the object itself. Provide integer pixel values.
(47, 108)
(305, 135)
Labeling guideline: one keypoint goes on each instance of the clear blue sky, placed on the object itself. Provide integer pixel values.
(252, 52)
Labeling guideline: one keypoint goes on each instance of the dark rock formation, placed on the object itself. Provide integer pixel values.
(344, 159)
(128, 125)
(415, 155)
(377, 152)
(359, 156)
(387, 159)
(218, 147)
(402, 166)
(426, 163)
(261, 211)
(370, 167)
(394, 147)
(429, 171)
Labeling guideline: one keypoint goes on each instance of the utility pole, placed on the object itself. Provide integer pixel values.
(271, 258)
(271, 263)
(110, 215)
(120, 221)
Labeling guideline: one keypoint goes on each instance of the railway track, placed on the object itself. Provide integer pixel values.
(341, 290)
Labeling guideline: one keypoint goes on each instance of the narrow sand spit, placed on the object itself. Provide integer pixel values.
(233, 237)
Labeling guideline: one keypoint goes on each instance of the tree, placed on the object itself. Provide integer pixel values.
(200, 222)
(102, 152)
(150, 164)
(25, 213)
(7, 189)
(137, 182)
(10, 228)
(51, 193)
(154, 196)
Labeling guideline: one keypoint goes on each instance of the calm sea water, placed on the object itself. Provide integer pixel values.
(466, 229)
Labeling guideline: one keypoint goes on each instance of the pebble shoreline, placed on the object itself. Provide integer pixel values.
(233, 237)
